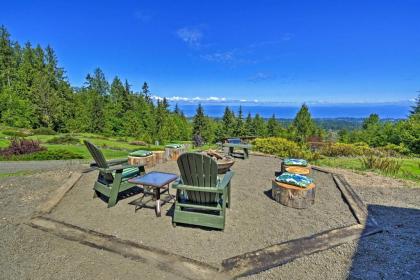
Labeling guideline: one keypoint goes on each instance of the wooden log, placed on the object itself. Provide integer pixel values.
(147, 161)
(293, 196)
(154, 257)
(172, 153)
(302, 170)
(159, 157)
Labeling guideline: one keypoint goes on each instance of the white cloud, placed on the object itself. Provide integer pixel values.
(260, 76)
(221, 57)
(191, 36)
(197, 99)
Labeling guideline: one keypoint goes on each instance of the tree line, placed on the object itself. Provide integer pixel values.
(35, 93)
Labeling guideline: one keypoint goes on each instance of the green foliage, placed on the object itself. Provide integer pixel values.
(16, 133)
(64, 139)
(345, 150)
(386, 165)
(303, 126)
(43, 131)
(281, 147)
(46, 155)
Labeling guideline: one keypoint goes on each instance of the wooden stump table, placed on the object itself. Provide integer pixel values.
(293, 196)
(159, 157)
(147, 161)
(172, 153)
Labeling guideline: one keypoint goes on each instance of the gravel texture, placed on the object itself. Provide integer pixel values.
(253, 222)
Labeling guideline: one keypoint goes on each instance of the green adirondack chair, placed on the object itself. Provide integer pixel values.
(113, 175)
(202, 197)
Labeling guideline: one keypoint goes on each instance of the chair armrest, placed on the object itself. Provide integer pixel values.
(226, 179)
(118, 167)
(197, 189)
(116, 161)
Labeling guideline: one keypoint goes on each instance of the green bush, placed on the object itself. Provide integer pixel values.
(345, 150)
(384, 164)
(16, 133)
(64, 139)
(282, 147)
(394, 150)
(44, 131)
(46, 155)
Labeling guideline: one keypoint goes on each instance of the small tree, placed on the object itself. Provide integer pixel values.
(415, 109)
(199, 121)
(303, 126)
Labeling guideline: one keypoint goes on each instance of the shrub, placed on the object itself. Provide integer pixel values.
(138, 143)
(386, 165)
(16, 133)
(281, 147)
(47, 155)
(64, 139)
(44, 131)
(394, 150)
(346, 150)
(20, 147)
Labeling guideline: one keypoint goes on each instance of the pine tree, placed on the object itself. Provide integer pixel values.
(303, 126)
(273, 127)
(228, 123)
(259, 126)
(239, 129)
(199, 121)
(146, 92)
(248, 126)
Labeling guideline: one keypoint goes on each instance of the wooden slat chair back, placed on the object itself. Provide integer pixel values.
(201, 171)
(202, 197)
(113, 175)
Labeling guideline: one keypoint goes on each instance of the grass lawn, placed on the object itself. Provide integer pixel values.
(112, 147)
(410, 167)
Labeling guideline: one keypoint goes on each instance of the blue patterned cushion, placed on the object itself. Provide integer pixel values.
(295, 162)
(294, 179)
(141, 153)
(174, 146)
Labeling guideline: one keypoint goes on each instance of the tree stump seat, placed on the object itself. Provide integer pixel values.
(302, 170)
(147, 160)
(293, 196)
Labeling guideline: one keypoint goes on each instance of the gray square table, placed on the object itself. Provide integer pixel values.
(159, 183)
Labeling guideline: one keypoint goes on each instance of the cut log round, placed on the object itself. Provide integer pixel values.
(172, 153)
(148, 161)
(159, 157)
(293, 196)
(303, 170)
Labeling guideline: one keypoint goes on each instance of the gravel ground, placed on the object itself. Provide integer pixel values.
(44, 165)
(26, 253)
(254, 221)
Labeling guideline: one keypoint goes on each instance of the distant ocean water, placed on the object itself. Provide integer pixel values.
(393, 111)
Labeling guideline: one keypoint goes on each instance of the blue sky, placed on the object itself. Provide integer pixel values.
(285, 51)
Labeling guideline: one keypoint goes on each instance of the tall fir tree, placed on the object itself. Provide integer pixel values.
(303, 126)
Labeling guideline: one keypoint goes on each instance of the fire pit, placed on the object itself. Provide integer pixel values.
(224, 163)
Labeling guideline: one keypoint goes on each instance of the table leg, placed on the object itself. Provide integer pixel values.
(246, 153)
(157, 202)
(230, 151)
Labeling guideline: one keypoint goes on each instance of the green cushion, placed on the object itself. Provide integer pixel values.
(130, 172)
(140, 153)
(294, 179)
(295, 162)
(174, 146)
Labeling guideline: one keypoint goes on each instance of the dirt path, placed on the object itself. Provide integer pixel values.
(26, 253)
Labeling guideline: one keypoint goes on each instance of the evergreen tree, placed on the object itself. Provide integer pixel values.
(228, 124)
(146, 92)
(199, 121)
(303, 126)
(273, 127)
(239, 129)
(258, 125)
(248, 126)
